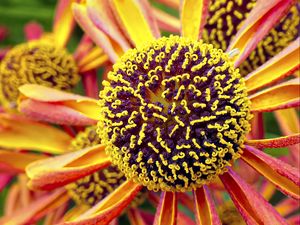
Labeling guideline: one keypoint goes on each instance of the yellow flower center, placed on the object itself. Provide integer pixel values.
(36, 62)
(174, 114)
(229, 215)
(95, 187)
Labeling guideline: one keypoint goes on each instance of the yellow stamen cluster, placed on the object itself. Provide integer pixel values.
(226, 18)
(36, 62)
(229, 215)
(174, 114)
(95, 187)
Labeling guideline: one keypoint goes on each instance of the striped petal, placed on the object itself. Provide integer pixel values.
(133, 19)
(267, 190)
(33, 31)
(31, 135)
(275, 142)
(282, 175)
(166, 21)
(135, 217)
(90, 84)
(253, 208)
(193, 15)
(60, 170)
(16, 162)
(186, 200)
(287, 206)
(281, 96)
(109, 208)
(83, 48)
(113, 50)
(37, 209)
(278, 67)
(166, 211)
(259, 22)
(63, 22)
(257, 126)
(205, 209)
(288, 121)
(51, 105)
(183, 219)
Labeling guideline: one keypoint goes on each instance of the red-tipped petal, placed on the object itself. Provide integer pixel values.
(285, 95)
(205, 209)
(90, 84)
(16, 162)
(276, 142)
(33, 31)
(31, 135)
(37, 209)
(253, 208)
(102, 40)
(285, 177)
(63, 22)
(166, 212)
(259, 22)
(166, 21)
(193, 17)
(109, 208)
(278, 67)
(60, 170)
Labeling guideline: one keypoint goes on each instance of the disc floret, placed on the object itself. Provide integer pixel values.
(36, 62)
(174, 114)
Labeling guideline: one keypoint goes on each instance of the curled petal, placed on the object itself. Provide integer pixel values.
(253, 208)
(31, 135)
(60, 170)
(166, 21)
(281, 96)
(109, 208)
(205, 209)
(259, 22)
(193, 17)
(166, 212)
(131, 16)
(113, 50)
(37, 209)
(282, 175)
(16, 162)
(278, 67)
(276, 142)
(51, 105)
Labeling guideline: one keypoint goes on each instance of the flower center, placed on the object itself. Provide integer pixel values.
(93, 188)
(174, 114)
(229, 215)
(36, 62)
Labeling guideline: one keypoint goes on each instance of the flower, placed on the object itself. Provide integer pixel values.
(148, 92)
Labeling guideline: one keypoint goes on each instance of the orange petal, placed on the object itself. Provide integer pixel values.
(257, 126)
(60, 170)
(166, 212)
(133, 19)
(278, 67)
(31, 135)
(48, 104)
(15, 162)
(275, 142)
(205, 209)
(282, 175)
(166, 21)
(135, 218)
(267, 190)
(97, 63)
(37, 209)
(193, 17)
(113, 50)
(63, 22)
(183, 219)
(76, 211)
(281, 96)
(253, 208)
(259, 22)
(109, 208)
(186, 200)
(91, 55)
(287, 206)
(288, 121)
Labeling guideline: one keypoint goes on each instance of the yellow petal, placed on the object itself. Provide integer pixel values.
(93, 54)
(131, 16)
(18, 132)
(60, 170)
(166, 212)
(97, 63)
(63, 22)
(288, 121)
(259, 22)
(193, 17)
(278, 67)
(281, 96)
